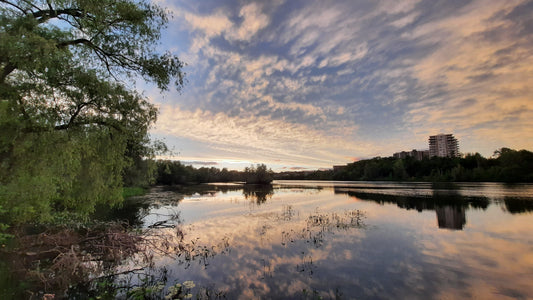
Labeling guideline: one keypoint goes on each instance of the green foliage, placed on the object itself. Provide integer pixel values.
(174, 172)
(4, 237)
(508, 166)
(398, 170)
(72, 133)
(132, 191)
(11, 287)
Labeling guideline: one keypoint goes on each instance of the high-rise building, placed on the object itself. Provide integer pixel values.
(443, 145)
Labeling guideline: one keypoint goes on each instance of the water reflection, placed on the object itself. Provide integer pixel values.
(449, 205)
(259, 193)
(310, 240)
(419, 203)
(517, 205)
(451, 217)
(131, 212)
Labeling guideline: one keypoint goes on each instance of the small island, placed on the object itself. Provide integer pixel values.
(258, 174)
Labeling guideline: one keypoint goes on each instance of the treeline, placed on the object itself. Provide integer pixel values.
(507, 165)
(174, 172)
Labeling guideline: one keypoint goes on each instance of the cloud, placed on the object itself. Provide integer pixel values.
(366, 78)
(298, 168)
(220, 23)
(247, 136)
(404, 21)
(211, 26)
(253, 21)
(201, 163)
(486, 82)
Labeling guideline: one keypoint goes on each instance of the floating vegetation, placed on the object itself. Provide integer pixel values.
(318, 224)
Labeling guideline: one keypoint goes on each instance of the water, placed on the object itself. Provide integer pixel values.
(363, 240)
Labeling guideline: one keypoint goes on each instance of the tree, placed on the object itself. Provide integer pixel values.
(398, 170)
(258, 175)
(70, 125)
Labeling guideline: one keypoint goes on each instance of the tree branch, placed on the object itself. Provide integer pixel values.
(117, 58)
(14, 5)
(76, 113)
(44, 15)
(49, 4)
(31, 4)
(77, 42)
(89, 122)
(6, 71)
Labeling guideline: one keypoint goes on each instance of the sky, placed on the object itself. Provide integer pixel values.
(304, 85)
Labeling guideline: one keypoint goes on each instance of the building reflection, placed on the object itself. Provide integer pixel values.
(451, 217)
(450, 206)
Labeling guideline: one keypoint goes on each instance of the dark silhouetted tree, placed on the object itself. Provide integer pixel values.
(259, 174)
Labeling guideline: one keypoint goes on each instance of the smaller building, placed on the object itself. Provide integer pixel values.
(339, 168)
(416, 154)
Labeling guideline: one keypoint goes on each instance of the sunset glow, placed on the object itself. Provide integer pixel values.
(312, 84)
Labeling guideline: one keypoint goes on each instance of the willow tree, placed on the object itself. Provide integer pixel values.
(70, 125)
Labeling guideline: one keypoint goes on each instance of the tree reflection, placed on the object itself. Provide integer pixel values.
(418, 203)
(448, 204)
(259, 193)
(516, 205)
(132, 211)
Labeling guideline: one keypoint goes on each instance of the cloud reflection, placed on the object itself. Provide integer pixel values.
(318, 240)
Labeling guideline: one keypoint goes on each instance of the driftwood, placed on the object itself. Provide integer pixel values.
(58, 257)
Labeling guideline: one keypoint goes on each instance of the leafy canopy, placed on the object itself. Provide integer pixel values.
(71, 128)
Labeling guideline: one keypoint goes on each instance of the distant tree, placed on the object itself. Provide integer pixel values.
(515, 166)
(70, 128)
(398, 169)
(258, 175)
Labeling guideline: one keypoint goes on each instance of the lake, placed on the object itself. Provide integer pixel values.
(363, 240)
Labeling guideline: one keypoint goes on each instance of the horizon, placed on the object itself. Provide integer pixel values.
(222, 164)
(305, 85)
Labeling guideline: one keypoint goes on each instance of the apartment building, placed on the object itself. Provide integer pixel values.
(416, 154)
(443, 145)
